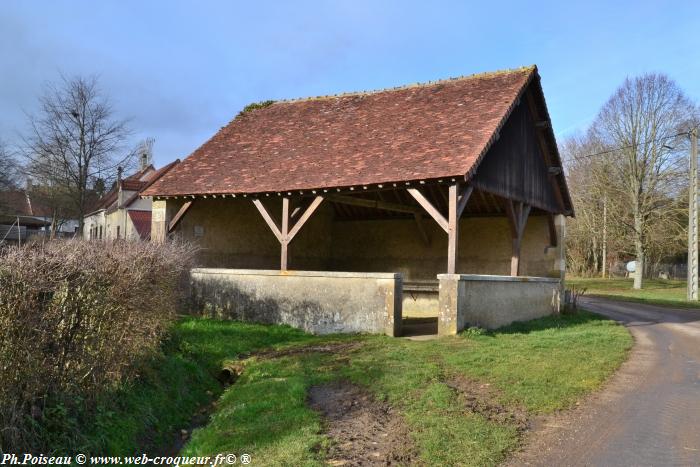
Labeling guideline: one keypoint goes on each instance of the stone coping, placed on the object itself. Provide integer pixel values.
(490, 278)
(272, 272)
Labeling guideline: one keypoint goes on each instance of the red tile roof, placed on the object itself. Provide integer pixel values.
(142, 222)
(427, 131)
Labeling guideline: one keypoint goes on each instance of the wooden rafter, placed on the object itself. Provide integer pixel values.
(369, 203)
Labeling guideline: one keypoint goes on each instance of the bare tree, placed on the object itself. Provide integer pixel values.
(644, 119)
(9, 169)
(10, 172)
(74, 140)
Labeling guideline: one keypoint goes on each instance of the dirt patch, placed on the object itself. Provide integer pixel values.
(364, 431)
(331, 347)
(481, 398)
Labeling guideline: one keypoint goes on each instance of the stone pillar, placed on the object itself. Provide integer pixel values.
(159, 221)
(393, 298)
(448, 304)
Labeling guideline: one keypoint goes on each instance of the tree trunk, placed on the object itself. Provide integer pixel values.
(594, 251)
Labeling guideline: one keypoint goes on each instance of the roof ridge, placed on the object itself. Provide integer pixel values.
(484, 74)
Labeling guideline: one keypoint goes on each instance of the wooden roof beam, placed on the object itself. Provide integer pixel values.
(369, 203)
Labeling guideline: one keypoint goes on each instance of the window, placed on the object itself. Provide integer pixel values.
(100, 232)
(117, 231)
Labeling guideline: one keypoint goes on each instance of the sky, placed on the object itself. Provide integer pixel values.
(179, 71)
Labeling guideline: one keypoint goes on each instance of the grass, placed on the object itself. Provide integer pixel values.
(654, 291)
(542, 366)
(539, 366)
(146, 415)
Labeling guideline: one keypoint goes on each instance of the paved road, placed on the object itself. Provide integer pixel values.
(649, 413)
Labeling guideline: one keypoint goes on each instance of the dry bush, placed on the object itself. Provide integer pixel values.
(75, 318)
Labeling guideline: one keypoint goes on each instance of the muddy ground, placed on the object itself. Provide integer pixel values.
(364, 431)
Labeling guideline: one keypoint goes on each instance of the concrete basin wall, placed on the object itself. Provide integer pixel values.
(493, 301)
(319, 302)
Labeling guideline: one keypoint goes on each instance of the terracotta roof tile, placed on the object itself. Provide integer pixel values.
(417, 132)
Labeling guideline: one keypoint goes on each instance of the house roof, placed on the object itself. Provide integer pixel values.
(142, 222)
(16, 202)
(419, 132)
(136, 183)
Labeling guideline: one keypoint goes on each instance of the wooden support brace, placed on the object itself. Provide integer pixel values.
(178, 217)
(463, 199)
(428, 206)
(304, 217)
(268, 219)
(517, 213)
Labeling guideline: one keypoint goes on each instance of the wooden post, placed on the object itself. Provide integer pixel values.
(457, 201)
(452, 230)
(517, 218)
(285, 233)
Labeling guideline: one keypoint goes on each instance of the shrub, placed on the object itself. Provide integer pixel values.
(76, 317)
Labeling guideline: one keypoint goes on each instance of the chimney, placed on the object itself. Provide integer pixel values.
(144, 160)
(29, 185)
(120, 196)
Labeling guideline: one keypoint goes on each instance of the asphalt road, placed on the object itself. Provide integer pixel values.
(648, 414)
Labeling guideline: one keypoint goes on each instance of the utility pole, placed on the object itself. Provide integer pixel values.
(693, 218)
(605, 234)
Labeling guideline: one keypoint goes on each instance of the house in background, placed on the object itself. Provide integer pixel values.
(122, 213)
(23, 216)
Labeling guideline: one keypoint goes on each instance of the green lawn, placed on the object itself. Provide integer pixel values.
(541, 366)
(654, 291)
(536, 367)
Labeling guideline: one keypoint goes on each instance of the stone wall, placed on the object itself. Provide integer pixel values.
(493, 301)
(317, 302)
